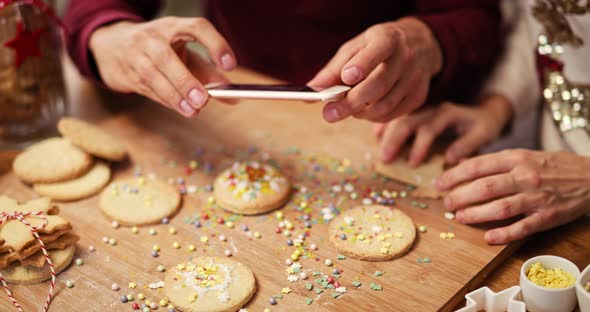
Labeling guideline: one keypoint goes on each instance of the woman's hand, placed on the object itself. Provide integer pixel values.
(390, 66)
(475, 127)
(549, 189)
(151, 59)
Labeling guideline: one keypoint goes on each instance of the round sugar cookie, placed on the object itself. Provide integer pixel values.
(92, 139)
(51, 160)
(251, 188)
(17, 273)
(86, 185)
(372, 233)
(209, 284)
(139, 201)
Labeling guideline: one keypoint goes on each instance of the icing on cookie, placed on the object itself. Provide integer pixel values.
(212, 277)
(369, 229)
(247, 181)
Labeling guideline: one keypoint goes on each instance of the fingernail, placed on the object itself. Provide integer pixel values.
(459, 216)
(351, 75)
(197, 98)
(439, 184)
(332, 114)
(186, 107)
(448, 202)
(227, 61)
(491, 237)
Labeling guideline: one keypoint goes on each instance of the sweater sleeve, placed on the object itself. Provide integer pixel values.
(83, 17)
(468, 33)
(515, 76)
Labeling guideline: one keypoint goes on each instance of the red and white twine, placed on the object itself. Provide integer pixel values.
(15, 215)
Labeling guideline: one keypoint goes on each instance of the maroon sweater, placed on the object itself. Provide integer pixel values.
(293, 39)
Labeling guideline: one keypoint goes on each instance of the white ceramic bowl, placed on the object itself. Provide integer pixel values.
(583, 294)
(542, 299)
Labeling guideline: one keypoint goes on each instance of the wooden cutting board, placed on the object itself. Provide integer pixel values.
(295, 137)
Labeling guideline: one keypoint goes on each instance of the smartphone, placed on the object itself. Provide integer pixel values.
(276, 92)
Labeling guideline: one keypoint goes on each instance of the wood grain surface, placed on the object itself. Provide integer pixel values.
(295, 136)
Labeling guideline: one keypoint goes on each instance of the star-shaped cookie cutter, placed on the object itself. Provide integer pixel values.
(485, 299)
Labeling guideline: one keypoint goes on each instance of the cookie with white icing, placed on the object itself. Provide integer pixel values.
(372, 233)
(139, 201)
(251, 188)
(209, 284)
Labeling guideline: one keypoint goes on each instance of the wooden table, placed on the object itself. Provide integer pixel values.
(571, 241)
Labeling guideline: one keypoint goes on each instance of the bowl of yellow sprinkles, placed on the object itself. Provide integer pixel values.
(547, 284)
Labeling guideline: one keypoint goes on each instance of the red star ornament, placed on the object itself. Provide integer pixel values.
(25, 43)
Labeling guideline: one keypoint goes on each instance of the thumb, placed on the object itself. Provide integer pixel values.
(330, 74)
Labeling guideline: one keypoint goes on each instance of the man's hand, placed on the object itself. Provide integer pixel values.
(151, 59)
(390, 66)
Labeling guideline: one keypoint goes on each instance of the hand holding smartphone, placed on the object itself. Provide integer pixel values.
(276, 92)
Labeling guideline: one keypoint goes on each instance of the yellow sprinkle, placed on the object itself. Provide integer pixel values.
(360, 237)
(172, 230)
(140, 296)
(147, 302)
(211, 200)
(297, 243)
(443, 235)
(132, 285)
(279, 215)
(163, 302)
(303, 205)
(289, 225)
(192, 298)
(384, 250)
(297, 252)
(180, 267)
(387, 244)
(204, 239)
(294, 257)
(286, 290)
(450, 235)
(290, 270)
(550, 278)
(266, 310)
(176, 245)
(156, 248)
(134, 230)
(191, 248)
(193, 164)
(141, 181)
(257, 235)
(376, 216)
(381, 237)
(399, 234)
(229, 224)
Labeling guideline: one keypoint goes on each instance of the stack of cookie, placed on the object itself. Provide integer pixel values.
(21, 258)
(64, 169)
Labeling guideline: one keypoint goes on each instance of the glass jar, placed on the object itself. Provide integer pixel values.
(32, 91)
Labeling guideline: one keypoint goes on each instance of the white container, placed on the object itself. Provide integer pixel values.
(583, 294)
(542, 299)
